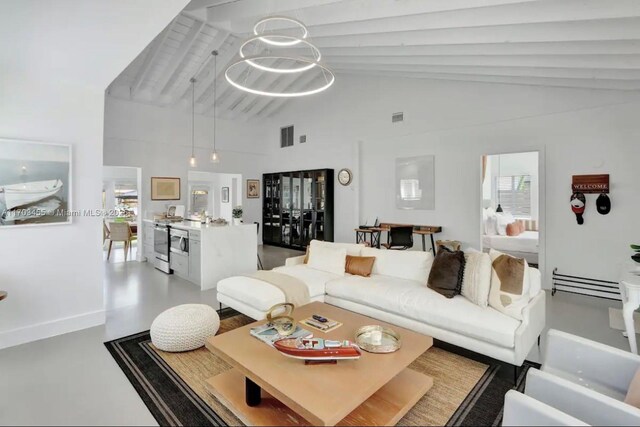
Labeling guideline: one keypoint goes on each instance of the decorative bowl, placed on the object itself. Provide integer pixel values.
(378, 339)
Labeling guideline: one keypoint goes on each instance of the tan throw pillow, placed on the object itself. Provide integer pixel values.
(509, 284)
(360, 265)
(452, 245)
(513, 229)
(306, 256)
(633, 393)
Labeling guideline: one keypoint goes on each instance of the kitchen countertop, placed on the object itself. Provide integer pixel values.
(194, 225)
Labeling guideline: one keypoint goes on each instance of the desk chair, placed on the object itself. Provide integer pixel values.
(399, 238)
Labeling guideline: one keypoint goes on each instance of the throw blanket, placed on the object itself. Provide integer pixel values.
(295, 291)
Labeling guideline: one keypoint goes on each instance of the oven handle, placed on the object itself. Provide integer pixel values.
(183, 244)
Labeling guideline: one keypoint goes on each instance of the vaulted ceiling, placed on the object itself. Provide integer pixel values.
(564, 43)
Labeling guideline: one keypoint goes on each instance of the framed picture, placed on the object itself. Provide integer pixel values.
(225, 194)
(165, 188)
(253, 189)
(35, 183)
(415, 183)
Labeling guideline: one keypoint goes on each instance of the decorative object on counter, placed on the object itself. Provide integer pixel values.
(215, 157)
(35, 184)
(636, 256)
(578, 202)
(225, 194)
(282, 322)
(345, 176)
(236, 213)
(452, 245)
(378, 339)
(603, 204)
(184, 327)
(253, 189)
(219, 221)
(318, 350)
(3, 295)
(165, 188)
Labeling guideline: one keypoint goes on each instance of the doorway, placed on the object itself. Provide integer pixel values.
(122, 207)
(511, 205)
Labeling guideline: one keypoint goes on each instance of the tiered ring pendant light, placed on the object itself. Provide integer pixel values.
(278, 53)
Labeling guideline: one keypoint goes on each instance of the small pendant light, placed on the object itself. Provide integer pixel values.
(192, 161)
(215, 158)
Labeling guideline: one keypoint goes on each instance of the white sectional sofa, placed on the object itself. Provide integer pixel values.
(397, 293)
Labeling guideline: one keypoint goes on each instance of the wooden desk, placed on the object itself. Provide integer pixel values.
(422, 230)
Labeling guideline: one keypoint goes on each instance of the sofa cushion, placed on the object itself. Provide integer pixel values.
(410, 265)
(331, 260)
(353, 249)
(314, 279)
(412, 299)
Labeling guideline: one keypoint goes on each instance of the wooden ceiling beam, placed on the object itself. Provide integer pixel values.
(149, 60)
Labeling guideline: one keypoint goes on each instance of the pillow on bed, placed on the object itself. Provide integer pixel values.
(514, 229)
(502, 220)
(489, 219)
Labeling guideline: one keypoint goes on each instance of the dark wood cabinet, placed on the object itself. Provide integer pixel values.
(297, 207)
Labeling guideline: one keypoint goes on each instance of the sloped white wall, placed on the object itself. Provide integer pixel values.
(58, 56)
(576, 132)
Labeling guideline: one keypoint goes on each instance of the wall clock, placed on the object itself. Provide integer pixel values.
(345, 176)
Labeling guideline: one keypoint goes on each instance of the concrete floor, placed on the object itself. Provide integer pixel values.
(72, 379)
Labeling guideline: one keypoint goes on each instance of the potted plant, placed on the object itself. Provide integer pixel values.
(237, 215)
(636, 256)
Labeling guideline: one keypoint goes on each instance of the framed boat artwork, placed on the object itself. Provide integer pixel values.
(35, 183)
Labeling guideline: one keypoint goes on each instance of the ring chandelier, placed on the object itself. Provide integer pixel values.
(280, 42)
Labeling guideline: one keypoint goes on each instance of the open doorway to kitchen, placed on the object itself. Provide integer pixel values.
(511, 205)
(122, 206)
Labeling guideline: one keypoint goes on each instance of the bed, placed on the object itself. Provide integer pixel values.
(524, 245)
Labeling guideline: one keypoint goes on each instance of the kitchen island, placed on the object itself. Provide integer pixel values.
(207, 253)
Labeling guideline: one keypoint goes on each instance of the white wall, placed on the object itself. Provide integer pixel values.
(576, 131)
(57, 59)
(158, 140)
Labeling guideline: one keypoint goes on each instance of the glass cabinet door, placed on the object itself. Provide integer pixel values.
(308, 217)
(286, 205)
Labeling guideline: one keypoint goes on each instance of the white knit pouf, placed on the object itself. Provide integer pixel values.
(184, 327)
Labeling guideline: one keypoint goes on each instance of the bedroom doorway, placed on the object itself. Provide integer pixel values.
(511, 205)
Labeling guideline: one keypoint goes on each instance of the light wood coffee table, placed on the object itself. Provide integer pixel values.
(266, 388)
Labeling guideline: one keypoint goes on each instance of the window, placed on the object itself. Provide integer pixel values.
(514, 194)
(199, 200)
(286, 136)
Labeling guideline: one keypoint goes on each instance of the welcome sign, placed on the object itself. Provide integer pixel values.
(590, 183)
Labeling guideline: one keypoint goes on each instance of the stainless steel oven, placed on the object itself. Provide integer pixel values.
(179, 241)
(161, 247)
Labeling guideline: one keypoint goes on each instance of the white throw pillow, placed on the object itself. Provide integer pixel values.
(502, 220)
(410, 265)
(353, 249)
(476, 281)
(490, 222)
(331, 260)
(511, 296)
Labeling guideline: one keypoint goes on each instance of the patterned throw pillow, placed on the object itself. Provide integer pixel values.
(476, 280)
(509, 284)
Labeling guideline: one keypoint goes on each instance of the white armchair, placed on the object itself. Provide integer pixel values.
(597, 366)
(581, 382)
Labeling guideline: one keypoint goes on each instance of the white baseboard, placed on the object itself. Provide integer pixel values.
(50, 329)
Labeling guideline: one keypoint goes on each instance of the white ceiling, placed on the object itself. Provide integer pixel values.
(565, 43)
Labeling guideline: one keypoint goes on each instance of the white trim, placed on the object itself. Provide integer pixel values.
(51, 328)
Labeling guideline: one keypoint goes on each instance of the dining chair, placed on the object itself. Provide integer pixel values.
(134, 236)
(120, 232)
(400, 238)
(105, 232)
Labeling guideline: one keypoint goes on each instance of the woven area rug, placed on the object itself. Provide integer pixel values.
(465, 392)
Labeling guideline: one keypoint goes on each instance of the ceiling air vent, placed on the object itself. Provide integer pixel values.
(303, 139)
(286, 136)
(397, 117)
